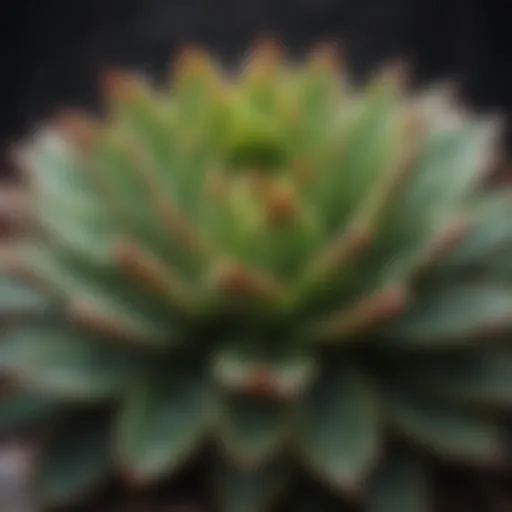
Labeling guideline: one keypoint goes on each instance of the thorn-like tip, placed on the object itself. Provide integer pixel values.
(119, 85)
(327, 56)
(77, 128)
(282, 206)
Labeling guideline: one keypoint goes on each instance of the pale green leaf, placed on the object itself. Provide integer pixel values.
(251, 428)
(163, 419)
(340, 432)
(447, 314)
(65, 363)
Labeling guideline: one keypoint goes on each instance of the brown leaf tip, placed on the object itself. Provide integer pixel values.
(237, 281)
(327, 57)
(264, 58)
(282, 206)
(119, 85)
(77, 128)
(193, 61)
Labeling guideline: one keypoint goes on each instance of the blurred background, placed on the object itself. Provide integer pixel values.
(53, 51)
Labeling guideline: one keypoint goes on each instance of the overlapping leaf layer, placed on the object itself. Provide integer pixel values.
(299, 267)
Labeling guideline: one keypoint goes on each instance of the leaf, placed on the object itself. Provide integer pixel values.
(460, 313)
(251, 428)
(492, 231)
(78, 226)
(368, 151)
(430, 200)
(74, 461)
(252, 491)
(17, 298)
(104, 294)
(399, 485)
(66, 363)
(163, 419)
(20, 409)
(463, 154)
(446, 431)
(340, 431)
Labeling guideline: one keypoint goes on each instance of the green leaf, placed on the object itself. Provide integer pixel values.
(54, 166)
(369, 151)
(340, 432)
(399, 485)
(16, 298)
(252, 491)
(106, 294)
(66, 363)
(251, 428)
(463, 155)
(454, 314)
(446, 431)
(21, 409)
(492, 231)
(75, 461)
(430, 200)
(78, 225)
(163, 419)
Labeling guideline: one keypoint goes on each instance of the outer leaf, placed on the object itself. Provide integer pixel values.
(492, 231)
(443, 430)
(400, 485)
(16, 298)
(340, 433)
(251, 428)
(430, 200)
(75, 460)
(163, 419)
(252, 491)
(453, 314)
(66, 363)
(104, 293)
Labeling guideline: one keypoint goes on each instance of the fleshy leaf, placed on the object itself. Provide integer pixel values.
(162, 420)
(340, 432)
(452, 314)
(17, 298)
(251, 491)
(66, 363)
(74, 461)
(491, 232)
(399, 485)
(448, 432)
(103, 294)
(251, 428)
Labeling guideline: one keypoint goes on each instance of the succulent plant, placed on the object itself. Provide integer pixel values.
(303, 273)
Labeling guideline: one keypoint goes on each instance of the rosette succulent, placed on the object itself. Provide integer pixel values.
(304, 274)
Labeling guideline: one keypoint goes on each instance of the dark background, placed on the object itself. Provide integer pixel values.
(53, 50)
